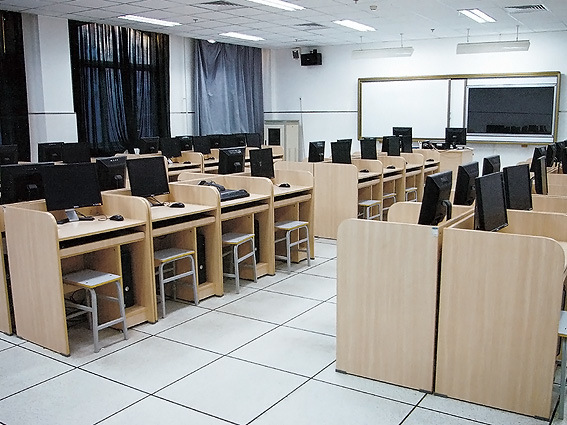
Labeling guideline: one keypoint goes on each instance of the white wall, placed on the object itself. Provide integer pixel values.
(324, 98)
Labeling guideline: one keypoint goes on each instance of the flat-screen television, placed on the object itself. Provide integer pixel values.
(517, 187)
(75, 152)
(435, 204)
(147, 176)
(22, 182)
(253, 140)
(316, 151)
(464, 186)
(490, 207)
(340, 151)
(368, 148)
(111, 172)
(539, 151)
(71, 186)
(402, 131)
(8, 154)
(202, 144)
(47, 152)
(406, 143)
(185, 142)
(170, 147)
(455, 136)
(231, 160)
(540, 176)
(262, 163)
(391, 145)
(550, 153)
(491, 164)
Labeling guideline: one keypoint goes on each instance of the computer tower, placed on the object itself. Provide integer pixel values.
(201, 258)
(257, 239)
(127, 281)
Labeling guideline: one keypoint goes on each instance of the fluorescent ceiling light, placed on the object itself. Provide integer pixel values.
(493, 46)
(477, 15)
(149, 20)
(354, 25)
(389, 52)
(280, 4)
(241, 36)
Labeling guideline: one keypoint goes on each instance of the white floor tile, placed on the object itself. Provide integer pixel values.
(308, 286)
(325, 250)
(151, 364)
(4, 345)
(292, 350)
(327, 269)
(76, 397)
(176, 313)
(218, 332)
(270, 306)
(325, 240)
(232, 389)
(281, 266)
(321, 319)
(320, 403)
(229, 296)
(268, 280)
(429, 417)
(14, 339)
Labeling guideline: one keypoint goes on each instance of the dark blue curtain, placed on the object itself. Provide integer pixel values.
(228, 89)
(120, 85)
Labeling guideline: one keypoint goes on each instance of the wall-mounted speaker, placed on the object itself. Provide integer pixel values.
(313, 58)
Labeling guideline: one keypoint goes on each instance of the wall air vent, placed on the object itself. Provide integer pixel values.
(219, 5)
(310, 25)
(526, 8)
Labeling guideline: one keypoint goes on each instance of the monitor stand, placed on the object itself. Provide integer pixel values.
(71, 215)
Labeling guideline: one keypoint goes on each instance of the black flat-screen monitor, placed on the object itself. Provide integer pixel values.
(491, 164)
(539, 151)
(368, 148)
(550, 153)
(517, 187)
(340, 151)
(47, 152)
(231, 160)
(540, 176)
(455, 136)
(464, 186)
(215, 140)
(564, 160)
(147, 176)
(490, 207)
(253, 140)
(75, 152)
(22, 182)
(202, 144)
(559, 151)
(111, 172)
(71, 186)
(391, 145)
(185, 142)
(170, 147)
(232, 140)
(8, 154)
(316, 151)
(402, 131)
(262, 163)
(406, 143)
(435, 204)
(149, 145)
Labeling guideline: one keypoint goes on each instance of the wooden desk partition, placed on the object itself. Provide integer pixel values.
(557, 184)
(549, 203)
(5, 314)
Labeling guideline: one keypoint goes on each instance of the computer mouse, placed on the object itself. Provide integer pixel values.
(187, 162)
(116, 217)
(364, 170)
(176, 205)
(391, 166)
(284, 185)
(430, 159)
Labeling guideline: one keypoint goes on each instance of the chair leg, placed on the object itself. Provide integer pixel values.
(120, 297)
(561, 408)
(194, 276)
(94, 319)
(288, 249)
(236, 268)
(162, 290)
(308, 246)
(254, 259)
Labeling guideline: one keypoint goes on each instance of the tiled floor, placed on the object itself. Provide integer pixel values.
(264, 356)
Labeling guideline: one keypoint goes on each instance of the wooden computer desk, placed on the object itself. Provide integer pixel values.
(188, 161)
(431, 162)
(549, 203)
(557, 184)
(394, 179)
(40, 251)
(415, 172)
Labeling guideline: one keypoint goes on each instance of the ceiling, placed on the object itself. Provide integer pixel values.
(313, 26)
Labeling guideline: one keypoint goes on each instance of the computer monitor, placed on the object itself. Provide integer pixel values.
(455, 136)
(550, 153)
(540, 176)
(340, 151)
(47, 152)
(148, 177)
(564, 159)
(75, 152)
(316, 151)
(215, 140)
(8, 154)
(490, 207)
(111, 172)
(402, 131)
(464, 186)
(170, 147)
(368, 148)
(149, 145)
(406, 143)
(22, 182)
(71, 186)
(539, 151)
(262, 163)
(435, 204)
(517, 187)
(491, 164)
(391, 145)
(202, 144)
(231, 160)
(253, 140)
(232, 140)
(185, 142)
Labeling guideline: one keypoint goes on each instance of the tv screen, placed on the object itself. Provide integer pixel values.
(147, 176)
(202, 144)
(490, 211)
(75, 152)
(231, 160)
(539, 151)
(253, 140)
(391, 145)
(170, 147)
(406, 144)
(185, 142)
(491, 164)
(262, 163)
(517, 187)
(435, 204)
(368, 148)
(8, 154)
(149, 145)
(402, 131)
(47, 152)
(540, 176)
(550, 155)
(71, 186)
(22, 182)
(340, 151)
(111, 172)
(464, 186)
(316, 151)
(455, 137)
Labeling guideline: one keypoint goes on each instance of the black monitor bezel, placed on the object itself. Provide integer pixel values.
(452, 133)
(52, 148)
(539, 151)
(108, 169)
(316, 151)
(229, 158)
(402, 131)
(170, 147)
(10, 153)
(435, 204)
(75, 153)
(490, 190)
(340, 151)
(517, 187)
(149, 145)
(540, 176)
(368, 148)
(202, 144)
(253, 140)
(464, 185)
(185, 143)
(12, 178)
(391, 145)
(140, 176)
(262, 163)
(491, 164)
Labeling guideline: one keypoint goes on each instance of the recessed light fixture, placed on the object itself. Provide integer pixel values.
(241, 36)
(354, 25)
(280, 4)
(149, 20)
(477, 15)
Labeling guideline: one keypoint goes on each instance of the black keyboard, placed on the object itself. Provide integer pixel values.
(229, 194)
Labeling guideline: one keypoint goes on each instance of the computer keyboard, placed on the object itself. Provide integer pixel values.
(226, 194)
